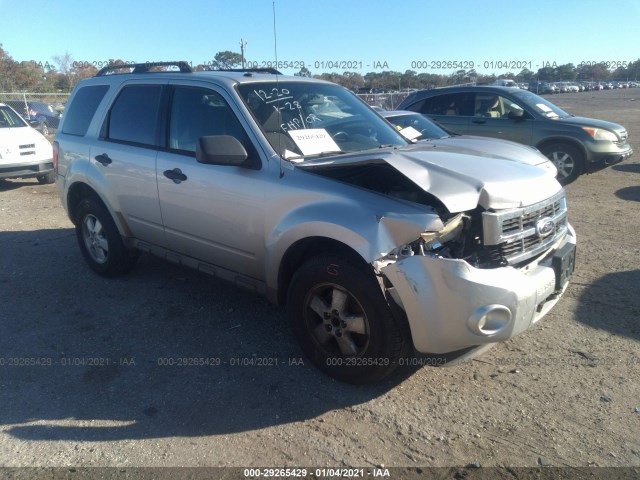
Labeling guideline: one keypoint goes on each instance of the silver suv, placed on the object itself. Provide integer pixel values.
(292, 187)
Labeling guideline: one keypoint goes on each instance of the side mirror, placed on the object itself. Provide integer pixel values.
(516, 114)
(34, 123)
(220, 150)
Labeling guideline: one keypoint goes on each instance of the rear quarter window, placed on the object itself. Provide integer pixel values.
(79, 114)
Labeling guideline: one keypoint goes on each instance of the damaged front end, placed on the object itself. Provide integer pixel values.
(483, 277)
(490, 259)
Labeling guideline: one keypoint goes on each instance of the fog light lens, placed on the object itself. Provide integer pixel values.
(489, 320)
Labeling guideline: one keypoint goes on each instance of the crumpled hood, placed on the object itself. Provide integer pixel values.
(459, 179)
(491, 147)
(462, 181)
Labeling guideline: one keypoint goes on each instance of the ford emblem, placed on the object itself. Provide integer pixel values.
(545, 226)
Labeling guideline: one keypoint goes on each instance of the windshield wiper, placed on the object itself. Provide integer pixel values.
(332, 152)
(327, 153)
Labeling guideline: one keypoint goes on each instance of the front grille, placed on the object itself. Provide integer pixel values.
(518, 234)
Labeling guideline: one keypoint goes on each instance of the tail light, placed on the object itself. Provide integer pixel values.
(55, 157)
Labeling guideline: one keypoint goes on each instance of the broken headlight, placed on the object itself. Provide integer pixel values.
(451, 231)
(448, 241)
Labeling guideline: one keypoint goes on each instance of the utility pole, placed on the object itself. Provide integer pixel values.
(243, 44)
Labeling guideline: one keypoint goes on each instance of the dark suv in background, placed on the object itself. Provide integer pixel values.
(574, 144)
(47, 117)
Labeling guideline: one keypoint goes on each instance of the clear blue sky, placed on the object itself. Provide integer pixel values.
(359, 31)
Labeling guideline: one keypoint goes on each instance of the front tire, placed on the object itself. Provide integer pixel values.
(343, 322)
(567, 158)
(100, 241)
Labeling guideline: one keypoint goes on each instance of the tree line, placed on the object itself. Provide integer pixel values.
(63, 73)
(390, 80)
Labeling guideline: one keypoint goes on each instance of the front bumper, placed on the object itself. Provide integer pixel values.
(601, 154)
(599, 159)
(451, 305)
(26, 170)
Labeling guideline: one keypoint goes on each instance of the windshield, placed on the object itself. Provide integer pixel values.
(540, 105)
(10, 119)
(415, 126)
(304, 119)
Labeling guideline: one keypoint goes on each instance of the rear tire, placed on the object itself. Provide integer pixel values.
(46, 179)
(343, 322)
(43, 127)
(567, 158)
(100, 241)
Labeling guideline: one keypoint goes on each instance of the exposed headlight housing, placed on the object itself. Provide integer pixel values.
(452, 229)
(600, 134)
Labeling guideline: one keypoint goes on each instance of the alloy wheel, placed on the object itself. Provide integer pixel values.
(336, 321)
(564, 163)
(94, 238)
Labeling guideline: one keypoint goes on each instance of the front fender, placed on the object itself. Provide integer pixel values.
(371, 235)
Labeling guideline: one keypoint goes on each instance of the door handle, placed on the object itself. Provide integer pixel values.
(103, 159)
(176, 175)
(479, 121)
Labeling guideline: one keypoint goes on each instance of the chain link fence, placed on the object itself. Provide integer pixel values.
(387, 101)
(42, 110)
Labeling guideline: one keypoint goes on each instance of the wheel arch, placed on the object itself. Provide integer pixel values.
(304, 249)
(569, 140)
(79, 190)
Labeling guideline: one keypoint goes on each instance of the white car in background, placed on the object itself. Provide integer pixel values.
(24, 152)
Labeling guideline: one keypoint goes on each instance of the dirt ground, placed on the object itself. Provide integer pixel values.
(85, 380)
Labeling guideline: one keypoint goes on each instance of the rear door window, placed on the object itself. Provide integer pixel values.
(134, 115)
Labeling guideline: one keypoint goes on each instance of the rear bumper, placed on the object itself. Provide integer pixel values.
(26, 170)
(452, 306)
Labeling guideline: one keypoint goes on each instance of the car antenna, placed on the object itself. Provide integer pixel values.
(275, 51)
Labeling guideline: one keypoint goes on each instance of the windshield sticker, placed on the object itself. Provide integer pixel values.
(410, 133)
(543, 107)
(292, 156)
(313, 141)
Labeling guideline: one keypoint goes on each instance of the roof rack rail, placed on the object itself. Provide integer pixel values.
(144, 67)
(250, 70)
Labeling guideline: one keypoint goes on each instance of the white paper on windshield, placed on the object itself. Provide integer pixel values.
(293, 156)
(543, 107)
(312, 141)
(410, 133)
